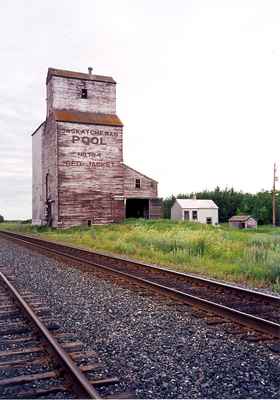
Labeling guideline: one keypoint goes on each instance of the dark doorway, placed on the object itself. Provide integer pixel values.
(137, 208)
(49, 212)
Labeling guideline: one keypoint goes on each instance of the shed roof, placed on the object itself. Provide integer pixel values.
(194, 203)
(37, 129)
(240, 218)
(140, 173)
(78, 75)
(87, 118)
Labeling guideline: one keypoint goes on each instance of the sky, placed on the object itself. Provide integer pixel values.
(198, 86)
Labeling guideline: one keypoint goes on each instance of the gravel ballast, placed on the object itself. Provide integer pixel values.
(157, 350)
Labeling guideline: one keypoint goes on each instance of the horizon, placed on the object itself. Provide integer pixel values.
(164, 199)
(199, 100)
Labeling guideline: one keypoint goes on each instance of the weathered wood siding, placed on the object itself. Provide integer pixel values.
(235, 224)
(148, 187)
(49, 166)
(249, 223)
(252, 223)
(83, 156)
(90, 173)
(37, 195)
(49, 97)
(155, 208)
(65, 94)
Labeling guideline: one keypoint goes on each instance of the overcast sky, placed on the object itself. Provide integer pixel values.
(198, 86)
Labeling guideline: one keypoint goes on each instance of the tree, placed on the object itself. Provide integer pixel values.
(1, 218)
(231, 202)
(167, 204)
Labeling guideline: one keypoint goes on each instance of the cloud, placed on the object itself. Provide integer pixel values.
(198, 86)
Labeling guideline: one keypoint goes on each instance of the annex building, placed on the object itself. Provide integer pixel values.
(79, 176)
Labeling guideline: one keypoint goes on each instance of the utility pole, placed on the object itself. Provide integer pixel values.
(274, 196)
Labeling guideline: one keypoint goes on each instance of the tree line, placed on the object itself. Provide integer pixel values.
(231, 202)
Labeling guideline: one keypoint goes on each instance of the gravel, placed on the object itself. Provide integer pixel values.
(156, 349)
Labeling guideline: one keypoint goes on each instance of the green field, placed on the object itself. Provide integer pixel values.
(251, 256)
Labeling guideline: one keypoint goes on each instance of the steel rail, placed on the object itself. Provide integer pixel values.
(242, 318)
(76, 378)
(156, 268)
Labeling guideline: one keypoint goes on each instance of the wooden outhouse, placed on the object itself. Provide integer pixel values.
(242, 221)
(78, 172)
(204, 211)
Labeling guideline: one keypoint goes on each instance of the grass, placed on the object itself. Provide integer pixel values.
(251, 256)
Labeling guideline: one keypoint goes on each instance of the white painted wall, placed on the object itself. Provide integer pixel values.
(203, 214)
(177, 213)
(37, 199)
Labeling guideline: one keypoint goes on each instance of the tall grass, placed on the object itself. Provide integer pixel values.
(219, 252)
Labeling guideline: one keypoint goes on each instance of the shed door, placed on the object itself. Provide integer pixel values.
(186, 215)
(118, 210)
(155, 208)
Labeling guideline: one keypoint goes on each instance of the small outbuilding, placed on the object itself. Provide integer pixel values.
(204, 211)
(242, 221)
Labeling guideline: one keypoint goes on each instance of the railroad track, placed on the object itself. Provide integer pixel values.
(249, 308)
(36, 359)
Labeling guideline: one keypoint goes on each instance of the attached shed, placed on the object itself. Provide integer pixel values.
(140, 193)
(204, 211)
(242, 221)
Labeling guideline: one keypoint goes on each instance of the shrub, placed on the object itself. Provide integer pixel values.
(27, 221)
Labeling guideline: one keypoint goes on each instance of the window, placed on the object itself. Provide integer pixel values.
(194, 215)
(186, 215)
(137, 184)
(209, 220)
(84, 93)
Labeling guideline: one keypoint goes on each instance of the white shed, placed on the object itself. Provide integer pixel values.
(204, 211)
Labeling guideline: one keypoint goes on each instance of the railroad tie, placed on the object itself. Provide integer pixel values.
(29, 378)
(42, 392)
(103, 382)
(29, 350)
(42, 361)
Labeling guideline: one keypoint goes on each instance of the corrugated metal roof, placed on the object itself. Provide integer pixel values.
(240, 218)
(87, 118)
(78, 75)
(192, 203)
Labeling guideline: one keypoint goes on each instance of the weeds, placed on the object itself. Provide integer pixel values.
(222, 252)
